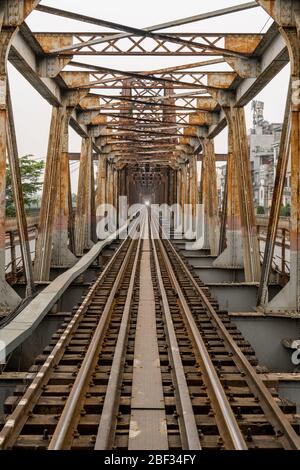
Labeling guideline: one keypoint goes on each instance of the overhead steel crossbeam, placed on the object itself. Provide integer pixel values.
(147, 32)
(158, 98)
(155, 104)
(117, 76)
(115, 79)
(139, 46)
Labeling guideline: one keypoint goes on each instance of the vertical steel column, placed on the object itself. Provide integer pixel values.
(110, 183)
(71, 225)
(210, 196)
(44, 240)
(170, 186)
(193, 196)
(232, 256)
(284, 153)
(166, 187)
(116, 192)
(287, 15)
(12, 243)
(249, 233)
(188, 183)
(13, 14)
(222, 241)
(84, 224)
(179, 176)
(61, 253)
(183, 194)
(175, 175)
(8, 297)
(101, 189)
(13, 156)
(205, 201)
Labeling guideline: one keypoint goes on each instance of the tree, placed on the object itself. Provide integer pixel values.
(260, 210)
(31, 171)
(285, 210)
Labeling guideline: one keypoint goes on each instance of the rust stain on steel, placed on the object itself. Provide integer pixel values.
(207, 103)
(49, 42)
(201, 118)
(221, 79)
(233, 210)
(191, 131)
(3, 118)
(99, 120)
(75, 79)
(90, 103)
(243, 43)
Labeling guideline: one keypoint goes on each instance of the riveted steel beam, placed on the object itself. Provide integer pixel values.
(85, 208)
(286, 13)
(282, 163)
(48, 204)
(210, 197)
(13, 156)
(231, 255)
(249, 232)
(147, 32)
(8, 297)
(14, 12)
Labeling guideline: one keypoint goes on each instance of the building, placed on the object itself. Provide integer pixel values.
(264, 147)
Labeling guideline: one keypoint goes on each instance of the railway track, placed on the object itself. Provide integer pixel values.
(147, 361)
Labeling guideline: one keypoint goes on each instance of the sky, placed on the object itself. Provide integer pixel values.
(32, 113)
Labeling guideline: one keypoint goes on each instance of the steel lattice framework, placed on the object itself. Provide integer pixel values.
(147, 128)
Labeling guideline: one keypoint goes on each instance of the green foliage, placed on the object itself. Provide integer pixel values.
(31, 171)
(260, 210)
(74, 199)
(285, 211)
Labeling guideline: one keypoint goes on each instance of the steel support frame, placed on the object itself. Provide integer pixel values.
(232, 256)
(61, 253)
(211, 229)
(13, 156)
(43, 254)
(13, 13)
(287, 15)
(282, 163)
(101, 187)
(249, 231)
(85, 209)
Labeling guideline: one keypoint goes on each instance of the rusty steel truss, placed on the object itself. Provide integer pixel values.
(147, 129)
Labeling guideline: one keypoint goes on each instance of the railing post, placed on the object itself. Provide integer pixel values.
(13, 255)
(283, 241)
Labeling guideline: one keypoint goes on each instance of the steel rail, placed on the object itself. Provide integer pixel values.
(227, 424)
(109, 411)
(188, 427)
(279, 421)
(17, 419)
(62, 437)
